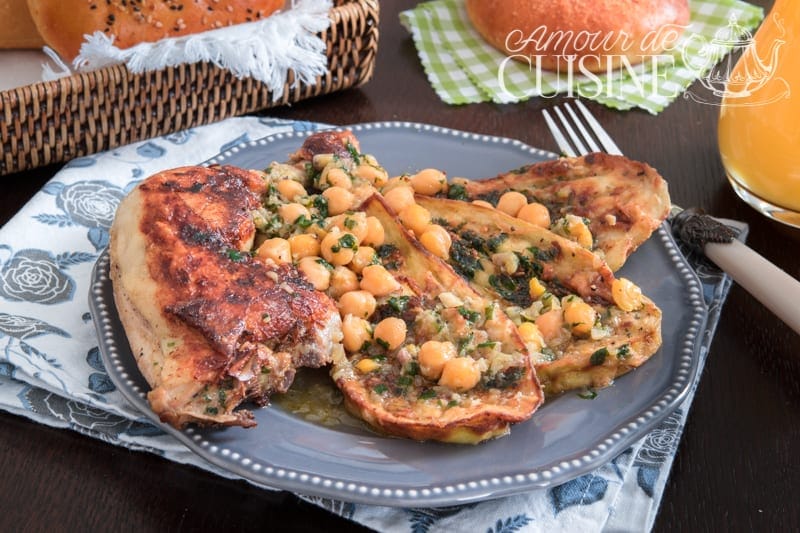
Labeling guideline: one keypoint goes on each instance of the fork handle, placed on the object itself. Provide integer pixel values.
(777, 290)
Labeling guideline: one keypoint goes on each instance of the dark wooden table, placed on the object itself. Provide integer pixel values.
(736, 467)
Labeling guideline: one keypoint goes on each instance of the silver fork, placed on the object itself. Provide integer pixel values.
(578, 133)
(585, 142)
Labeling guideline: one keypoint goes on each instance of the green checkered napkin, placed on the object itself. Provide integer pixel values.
(464, 69)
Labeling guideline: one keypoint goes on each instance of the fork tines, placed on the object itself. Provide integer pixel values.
(578, 133)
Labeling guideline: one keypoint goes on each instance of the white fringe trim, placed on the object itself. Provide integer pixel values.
(264, 50)
(58, 69)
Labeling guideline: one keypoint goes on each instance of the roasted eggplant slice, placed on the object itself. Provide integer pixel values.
(623, 200)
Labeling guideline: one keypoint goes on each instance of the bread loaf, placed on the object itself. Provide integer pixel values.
(17, 29)
(601, 34)
(63, 23)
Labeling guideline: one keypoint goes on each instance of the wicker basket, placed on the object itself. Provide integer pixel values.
(53, 122)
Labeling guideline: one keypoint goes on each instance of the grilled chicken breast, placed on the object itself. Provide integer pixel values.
(623, 200)
(211, 326)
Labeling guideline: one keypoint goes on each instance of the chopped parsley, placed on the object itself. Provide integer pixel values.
(469, 315)
(235, 255)
(380, 388)
(588, 394)
(427, 394)
(324, 263)
(389, 256)
(521, 170)
(353, 153)
(398, 303)
(507, 378)
(548, 354)
(347, 240)
(599, 357)
(303, 221)
(464, 259)
(493, 243)
(463, 343)
(321, 204)
(457, 191)
(623, 351)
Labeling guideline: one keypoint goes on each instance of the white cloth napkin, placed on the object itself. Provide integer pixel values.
(51, 371)
(264, 50)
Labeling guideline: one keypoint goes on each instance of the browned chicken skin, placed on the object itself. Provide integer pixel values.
(235, 328)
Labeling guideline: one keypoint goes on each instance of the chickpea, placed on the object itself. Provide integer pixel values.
(511, 202)
(626, 294)
(333, 176)
(460, 374)
(373, 174)
(342, 280)
(375, 233)
(395, 182)
(550, 323)
(291, 212)
(303, 245)
(416, 218)
(355, 223)
(579, 316)
(390, 332)
(339, 199)
(483, 203)
(535, 288)
(531, 336)
(290, 189)
(432, 357)
(320, 161)
(365, 366)
(277, 250)
(378, 281)
(356, 332)
(399, 198)
(315, 272)
(338, 247)
(535, 213)
(436, 240)
(365, 256)
(357, 303)
(429, 182)
(578, 231)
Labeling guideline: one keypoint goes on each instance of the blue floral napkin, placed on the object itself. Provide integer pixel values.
(51, 371)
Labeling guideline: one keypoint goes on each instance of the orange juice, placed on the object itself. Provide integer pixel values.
(759, 123)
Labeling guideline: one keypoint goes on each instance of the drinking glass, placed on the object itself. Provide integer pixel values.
(759, 121)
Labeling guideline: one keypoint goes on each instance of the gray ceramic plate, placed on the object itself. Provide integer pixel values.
(567, 437)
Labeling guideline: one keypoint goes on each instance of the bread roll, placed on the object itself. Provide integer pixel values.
(63, 23)
(16, 26)
(598, 32)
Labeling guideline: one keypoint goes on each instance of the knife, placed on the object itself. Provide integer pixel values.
(774, 288)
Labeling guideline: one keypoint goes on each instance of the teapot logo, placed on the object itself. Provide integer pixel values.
(720, 57)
